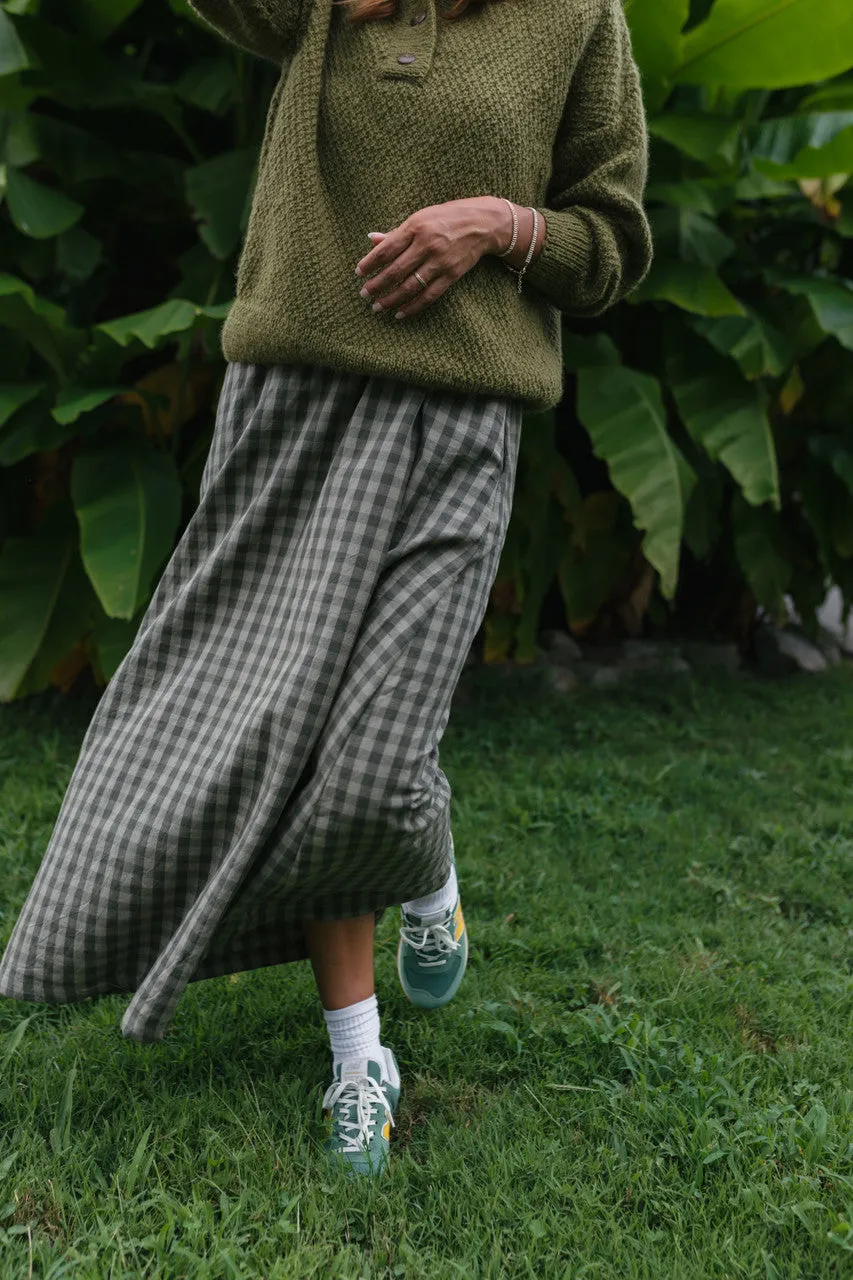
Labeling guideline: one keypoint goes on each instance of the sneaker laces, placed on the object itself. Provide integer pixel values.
(362, 1096)
(433, 943)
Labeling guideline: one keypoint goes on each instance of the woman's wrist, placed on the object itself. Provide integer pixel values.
(500, 230)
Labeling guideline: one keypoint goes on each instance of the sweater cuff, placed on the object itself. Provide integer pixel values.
(564, 257)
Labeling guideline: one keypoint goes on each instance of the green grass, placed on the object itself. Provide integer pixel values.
(647, 1072)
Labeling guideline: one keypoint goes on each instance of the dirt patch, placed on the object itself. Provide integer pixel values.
(751, 1034)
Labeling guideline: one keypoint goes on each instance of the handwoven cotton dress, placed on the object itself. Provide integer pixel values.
(267, 751)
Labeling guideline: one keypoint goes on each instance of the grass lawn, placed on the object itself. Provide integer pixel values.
(647, 1072)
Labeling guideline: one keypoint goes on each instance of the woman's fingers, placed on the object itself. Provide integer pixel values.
(401, 284)
(426, 242)
(434, 290)
(395, 281)
(385, 250)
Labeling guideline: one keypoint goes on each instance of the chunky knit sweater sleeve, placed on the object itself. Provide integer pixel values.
(598, 244)
(269, 28)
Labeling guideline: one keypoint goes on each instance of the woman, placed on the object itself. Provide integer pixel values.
(260, 777)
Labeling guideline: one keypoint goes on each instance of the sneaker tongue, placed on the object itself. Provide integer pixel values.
(357, 1066)
(421, 922)
(353, 1067)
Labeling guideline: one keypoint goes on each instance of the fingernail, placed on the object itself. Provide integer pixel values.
(358, 271)
(377, 306)
(399, 315)
(364, 293)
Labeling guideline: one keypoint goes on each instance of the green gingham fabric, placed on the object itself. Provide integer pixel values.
(267, 750)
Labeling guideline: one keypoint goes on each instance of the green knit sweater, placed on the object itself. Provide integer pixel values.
(535, 100)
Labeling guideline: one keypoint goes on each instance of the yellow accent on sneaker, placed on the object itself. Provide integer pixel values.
(459, 922)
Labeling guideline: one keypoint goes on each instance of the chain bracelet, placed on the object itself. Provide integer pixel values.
(533, 238)
(514, 213)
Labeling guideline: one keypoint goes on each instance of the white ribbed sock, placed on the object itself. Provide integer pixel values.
(438, 903)
(354, 1031)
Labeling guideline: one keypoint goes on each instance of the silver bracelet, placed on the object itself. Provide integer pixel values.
(533, 238)
(512, 210)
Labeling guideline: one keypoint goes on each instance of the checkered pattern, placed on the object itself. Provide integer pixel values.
(267, 751)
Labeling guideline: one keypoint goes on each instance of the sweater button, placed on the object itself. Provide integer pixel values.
(419, 17)
(405, 57)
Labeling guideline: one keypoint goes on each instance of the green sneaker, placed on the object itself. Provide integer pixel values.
(359, 1108)
(432, 955)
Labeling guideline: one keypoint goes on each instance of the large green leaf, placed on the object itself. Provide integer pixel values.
(726, 415)
(754, 185)
(13, 55)
(581, 351)
(624, 414)
(45, 603)
(757, 345)
(830, 298)
(22, 6)
(19, 143)
(152, 327)
(75, 401)
(703, 137)
(217, 192)
(769, 44)
(78, 254)
(39, 211)
(13, 395)
(703, 516)
(690, 236)
(835, 96)
(128, 504)
(689, 286)
(806, 146)
(210, 84)
(656, 27)
(113, 638)
(825, 501)
(31, 430)
(701, 195)
(590, 570)
(42, 323)
(544, 528)
(829, 449)
(762, 553)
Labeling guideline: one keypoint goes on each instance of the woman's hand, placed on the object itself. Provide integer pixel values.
(442, 242)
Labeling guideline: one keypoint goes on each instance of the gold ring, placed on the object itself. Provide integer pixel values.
(418, 276)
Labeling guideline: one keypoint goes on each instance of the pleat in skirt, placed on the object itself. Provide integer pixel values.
(267, 750)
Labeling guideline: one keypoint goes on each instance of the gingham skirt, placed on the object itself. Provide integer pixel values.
(267, 750)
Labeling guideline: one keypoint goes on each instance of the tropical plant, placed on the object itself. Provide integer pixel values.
(129, 139)
(700, 464)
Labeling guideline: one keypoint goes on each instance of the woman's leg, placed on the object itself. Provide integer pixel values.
(341, 954)
(363, 1095)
